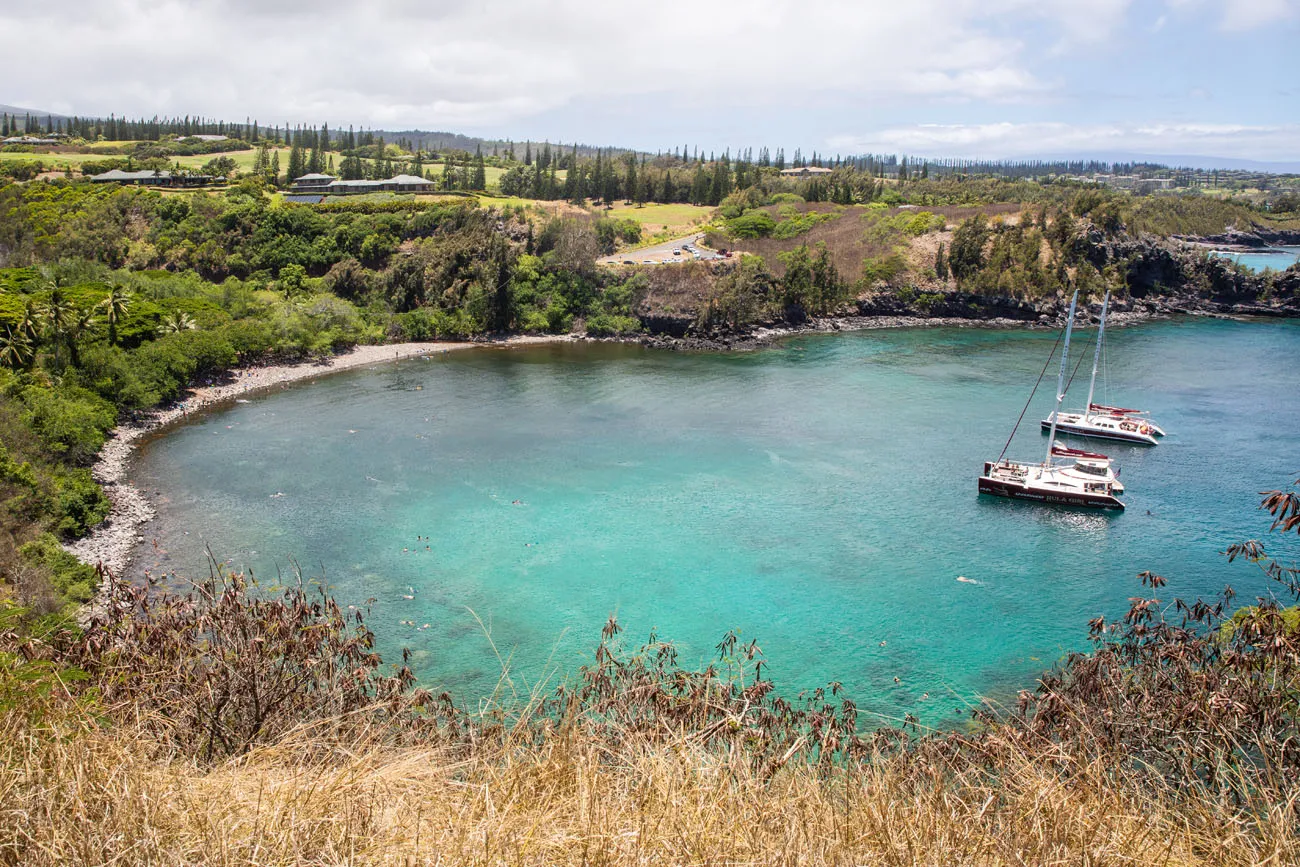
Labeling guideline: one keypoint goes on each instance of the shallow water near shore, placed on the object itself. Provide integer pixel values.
(1277, 258)
(818, 496)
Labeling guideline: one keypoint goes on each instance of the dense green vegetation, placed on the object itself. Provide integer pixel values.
(130, 295)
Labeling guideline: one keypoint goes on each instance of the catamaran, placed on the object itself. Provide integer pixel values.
(1092, 465)
(1099, 420)
(1077, 481)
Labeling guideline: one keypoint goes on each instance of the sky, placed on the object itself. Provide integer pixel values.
(937, 78)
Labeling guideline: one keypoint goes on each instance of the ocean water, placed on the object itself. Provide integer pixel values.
(819, 496)
(1277, 258)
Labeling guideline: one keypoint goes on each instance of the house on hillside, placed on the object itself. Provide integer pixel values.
(805, 172)
(312, 183)
(152, 178)
(30, 140)
(399, 184)
(407, 184)
(206, 138)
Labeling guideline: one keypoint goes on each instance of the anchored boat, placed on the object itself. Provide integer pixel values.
(1100, 421)
(1083, 479)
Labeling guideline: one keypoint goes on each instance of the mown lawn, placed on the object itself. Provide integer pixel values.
(659, 217)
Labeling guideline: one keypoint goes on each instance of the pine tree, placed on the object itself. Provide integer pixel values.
(296, 162)
(630, 183)
(941, 264)
(479, 181)
(275, 166)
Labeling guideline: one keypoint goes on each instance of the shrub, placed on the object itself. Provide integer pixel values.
(607, 325)
(797, 224)
(883, 269)
(80, 503)
(70, 420)
(756, 224)
(74, 580)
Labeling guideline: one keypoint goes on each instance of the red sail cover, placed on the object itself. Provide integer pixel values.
(1114, 410)
(1064, 452)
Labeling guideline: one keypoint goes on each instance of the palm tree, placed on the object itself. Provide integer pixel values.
(81, 323)
(16, 351)
(29, 327)
(59, 315)
(115, 307)
(177, 322)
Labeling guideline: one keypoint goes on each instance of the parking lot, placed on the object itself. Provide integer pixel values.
(679, 250)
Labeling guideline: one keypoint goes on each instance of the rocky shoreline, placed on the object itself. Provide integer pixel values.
(874, 313)
(111, 544)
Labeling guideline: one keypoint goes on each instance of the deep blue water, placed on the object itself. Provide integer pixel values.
(819, 496)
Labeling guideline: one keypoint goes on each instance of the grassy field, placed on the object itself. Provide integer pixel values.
(243, 159)
(493, 173)
(656, 218)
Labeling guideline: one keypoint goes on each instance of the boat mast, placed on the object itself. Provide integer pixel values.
(1060, 380)
(1096, 356)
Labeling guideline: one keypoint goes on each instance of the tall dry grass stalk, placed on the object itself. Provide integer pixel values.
(72, 792)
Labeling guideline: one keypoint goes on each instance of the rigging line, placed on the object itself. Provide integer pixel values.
(1077, 365)
(1046, 364)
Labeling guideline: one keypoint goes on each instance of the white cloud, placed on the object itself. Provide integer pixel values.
(1241, 15)
(1010, 140)
(443, 64)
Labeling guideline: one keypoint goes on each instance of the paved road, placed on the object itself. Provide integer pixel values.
(659, 254)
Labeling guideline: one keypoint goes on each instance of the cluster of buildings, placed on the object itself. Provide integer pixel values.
(152, 178)
(329, 185)
(32, 140)
(1133, 183)
(805, 172)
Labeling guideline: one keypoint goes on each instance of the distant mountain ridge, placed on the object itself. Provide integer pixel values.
(1180, 161)
(34, 112)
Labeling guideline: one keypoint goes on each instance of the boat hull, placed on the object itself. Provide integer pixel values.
(1014, 491)
(1101, 433)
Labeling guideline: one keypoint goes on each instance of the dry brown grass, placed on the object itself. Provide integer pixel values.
(847, 237)
(73, 793)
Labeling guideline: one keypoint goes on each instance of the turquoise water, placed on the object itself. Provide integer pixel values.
(819, 496)
(1277, 258)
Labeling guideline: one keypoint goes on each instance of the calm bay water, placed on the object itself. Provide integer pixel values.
(819, 496)
(1277, 258)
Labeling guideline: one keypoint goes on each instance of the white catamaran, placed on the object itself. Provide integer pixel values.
(1083, 479)
(1098, 420)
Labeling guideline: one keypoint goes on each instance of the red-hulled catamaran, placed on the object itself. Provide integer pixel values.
(1081, 479)
(1099, 420)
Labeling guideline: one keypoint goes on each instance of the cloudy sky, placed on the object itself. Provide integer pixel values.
(974, 78)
